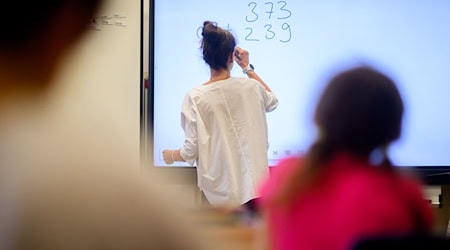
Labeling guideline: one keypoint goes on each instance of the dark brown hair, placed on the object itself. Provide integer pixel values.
(360, 110)
(217, 45)
(23, 21)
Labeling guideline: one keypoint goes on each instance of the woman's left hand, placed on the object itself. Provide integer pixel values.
(168, 156)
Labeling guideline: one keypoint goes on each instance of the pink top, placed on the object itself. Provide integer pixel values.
(351, 201)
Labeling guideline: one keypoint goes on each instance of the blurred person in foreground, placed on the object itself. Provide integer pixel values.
(67, 183)
(345, 188)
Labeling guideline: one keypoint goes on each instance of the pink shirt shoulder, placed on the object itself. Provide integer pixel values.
(352, 200)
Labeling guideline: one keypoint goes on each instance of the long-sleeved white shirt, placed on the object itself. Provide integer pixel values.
(226, 135)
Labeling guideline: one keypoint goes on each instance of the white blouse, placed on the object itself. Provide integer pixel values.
(226, 135)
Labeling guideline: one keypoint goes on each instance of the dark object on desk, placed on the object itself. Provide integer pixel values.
(248, 213)
(407, 242)
(434, 175)
(252, 206)
(438, 178)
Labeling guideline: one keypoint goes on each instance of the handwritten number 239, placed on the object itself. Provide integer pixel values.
(270, 34)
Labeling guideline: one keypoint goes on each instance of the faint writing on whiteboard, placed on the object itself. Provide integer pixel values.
(95, 24)
(117, 20)
(268, 21)
(200, 30)
(120, 19)
(283, 152)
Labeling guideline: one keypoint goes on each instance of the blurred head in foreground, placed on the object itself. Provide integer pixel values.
(359, 111)
(66, 182)
(35, 39)
(345, 185)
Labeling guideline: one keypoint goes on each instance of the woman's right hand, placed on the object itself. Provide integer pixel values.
(241, 57)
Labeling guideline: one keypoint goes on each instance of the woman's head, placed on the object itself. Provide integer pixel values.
(217, 45)
(360, 110)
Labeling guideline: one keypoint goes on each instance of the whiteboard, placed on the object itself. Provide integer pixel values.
(296, 46)
(100, 83)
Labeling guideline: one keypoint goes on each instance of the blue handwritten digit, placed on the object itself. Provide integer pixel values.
(248, 37)
(283, 9)
(286, 27)
(271, 9)
(270, 34)
(252, 5)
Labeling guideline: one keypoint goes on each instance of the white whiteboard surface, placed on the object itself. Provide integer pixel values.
(296, 46)
(100, 83)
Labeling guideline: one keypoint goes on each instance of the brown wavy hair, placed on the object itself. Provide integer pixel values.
(359, 111)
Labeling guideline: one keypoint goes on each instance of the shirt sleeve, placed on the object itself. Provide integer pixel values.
(270, 100)
(189, 150)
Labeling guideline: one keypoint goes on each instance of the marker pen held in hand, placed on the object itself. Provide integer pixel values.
(236, 54)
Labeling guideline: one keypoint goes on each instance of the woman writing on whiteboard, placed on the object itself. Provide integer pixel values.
(224, 120)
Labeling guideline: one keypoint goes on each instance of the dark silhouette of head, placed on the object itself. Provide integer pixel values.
(28, 23)
(360, 110)
(217, 45)
(36, 39)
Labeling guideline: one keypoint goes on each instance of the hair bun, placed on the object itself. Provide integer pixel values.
(211, 32)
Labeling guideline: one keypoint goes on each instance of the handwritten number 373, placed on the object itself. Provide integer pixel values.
(254, 15)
